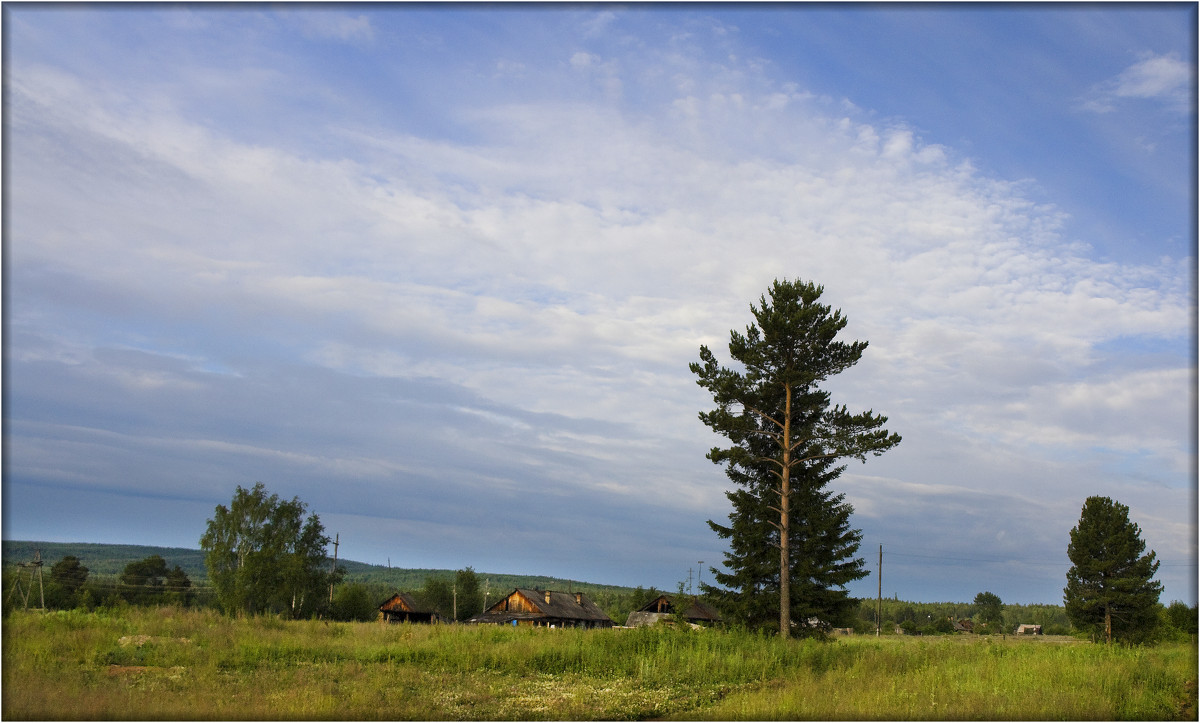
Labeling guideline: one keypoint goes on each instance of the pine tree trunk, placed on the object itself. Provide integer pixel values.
(785, 494)
(1107, 625)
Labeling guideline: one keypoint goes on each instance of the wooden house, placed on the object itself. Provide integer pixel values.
(1029, 629)
(545, 608)
(663, 607)
(401, 608)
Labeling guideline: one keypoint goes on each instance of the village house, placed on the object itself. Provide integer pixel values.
(401, 608)
(545, 608)
(663, 608)
(1029, 629)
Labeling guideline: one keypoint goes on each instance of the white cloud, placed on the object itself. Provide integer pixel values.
(1164, 78)
(331, 25)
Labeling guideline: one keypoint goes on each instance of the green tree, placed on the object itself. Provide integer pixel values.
(989, 610)
(1181, 617)
(262, 555)
(438, 595)
(69, 573)
(67, 577)
(786, 437)
(352, 602)
(468, 596)
(142, 581)
(1110, 592)
(178, 587)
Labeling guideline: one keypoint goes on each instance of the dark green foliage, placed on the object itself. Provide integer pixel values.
(353, 602)
(1110, 590)
(437, 595)
(791, 545)
(67, 577)
(178, 587)
(989, 609)
(69, 573)
(142, 581)
(264, 556)
(1181, 617)
(106, 559)
(939, 626)
(468, 596)
(151, 582)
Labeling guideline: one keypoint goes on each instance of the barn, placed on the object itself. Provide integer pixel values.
(401, 608)
(663, 607)
(545, 608)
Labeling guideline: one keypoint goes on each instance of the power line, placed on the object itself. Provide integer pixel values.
(1018, 561)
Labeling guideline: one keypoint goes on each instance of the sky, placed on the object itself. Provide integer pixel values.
(439, 272)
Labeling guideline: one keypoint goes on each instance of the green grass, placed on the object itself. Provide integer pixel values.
(173, 664)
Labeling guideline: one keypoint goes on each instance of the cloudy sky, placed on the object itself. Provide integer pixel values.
(440, 272)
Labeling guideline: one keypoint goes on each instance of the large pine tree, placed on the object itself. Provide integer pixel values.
(1110, 591)
(791, 545)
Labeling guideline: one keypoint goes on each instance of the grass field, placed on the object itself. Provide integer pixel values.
(197, 665)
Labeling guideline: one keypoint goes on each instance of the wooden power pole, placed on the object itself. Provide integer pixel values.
(333, 566)
(879, 595)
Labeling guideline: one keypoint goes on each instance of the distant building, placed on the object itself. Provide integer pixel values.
(401, 608)
(663, 607)
(1029, 630)
(545, 608)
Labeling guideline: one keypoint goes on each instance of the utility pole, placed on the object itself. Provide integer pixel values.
(689, 581)
(333, 567)
(454, 591)
(879, 593)
(37, 563)
(16, 588)
(700, 574)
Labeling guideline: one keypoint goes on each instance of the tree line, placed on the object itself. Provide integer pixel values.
(68, 584)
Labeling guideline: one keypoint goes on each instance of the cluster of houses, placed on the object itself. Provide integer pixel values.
(547, 608)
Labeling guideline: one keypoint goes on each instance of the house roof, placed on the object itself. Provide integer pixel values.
(402, 602)
(696, 609)
(560, 606)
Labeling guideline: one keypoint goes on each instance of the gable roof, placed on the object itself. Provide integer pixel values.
(696, 609)
(549, 604)
(402, 602)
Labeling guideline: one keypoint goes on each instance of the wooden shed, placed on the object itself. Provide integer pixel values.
(663, 607)
(1027, 629)
(545, 608)
(401, 608)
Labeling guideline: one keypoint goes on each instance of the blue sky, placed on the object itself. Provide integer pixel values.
(439, 271)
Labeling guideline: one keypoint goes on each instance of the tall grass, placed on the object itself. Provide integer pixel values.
(175, 664)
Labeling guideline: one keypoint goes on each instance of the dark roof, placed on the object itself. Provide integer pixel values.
(561, 606)
(402, 602)
(696, 609)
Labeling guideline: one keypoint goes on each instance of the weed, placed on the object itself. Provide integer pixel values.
(180, 664)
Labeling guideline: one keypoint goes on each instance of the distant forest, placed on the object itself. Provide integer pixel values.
(109, 559)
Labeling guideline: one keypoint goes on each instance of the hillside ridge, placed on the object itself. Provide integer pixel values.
(111, 558)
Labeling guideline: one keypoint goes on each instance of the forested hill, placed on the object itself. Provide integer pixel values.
(110, 559)
(101, 558)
